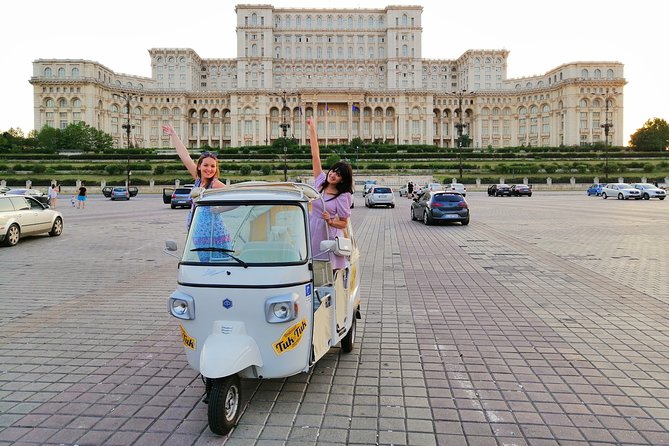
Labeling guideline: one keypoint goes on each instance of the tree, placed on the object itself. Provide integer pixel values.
(654, 135)
(49, 138)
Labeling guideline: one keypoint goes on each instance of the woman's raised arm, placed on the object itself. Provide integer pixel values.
(315, 150)
(181, 150)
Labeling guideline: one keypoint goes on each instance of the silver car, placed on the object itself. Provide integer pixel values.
(21, 215)
(620, 191)
(380, 196)
(649, 191)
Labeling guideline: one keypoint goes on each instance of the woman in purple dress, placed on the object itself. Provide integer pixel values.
(329, 215)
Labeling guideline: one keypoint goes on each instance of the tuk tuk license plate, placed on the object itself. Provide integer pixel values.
(187, 340)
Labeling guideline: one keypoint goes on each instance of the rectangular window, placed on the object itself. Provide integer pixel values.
(584, 120)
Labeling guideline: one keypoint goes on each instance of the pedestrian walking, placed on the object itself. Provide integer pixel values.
(53, 195)
(81, 198)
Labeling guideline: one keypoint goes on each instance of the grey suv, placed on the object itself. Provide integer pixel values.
(21, 216)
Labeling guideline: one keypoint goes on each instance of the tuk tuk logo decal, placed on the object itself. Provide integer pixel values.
(227, 303)
(187, 340)
(307, 289)
(290, 338)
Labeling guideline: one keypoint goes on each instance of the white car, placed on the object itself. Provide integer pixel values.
(649, 191)
(620, 191)
(458, 187)
(21, 216)
(403, 191)
(432, 187)
(380, 196)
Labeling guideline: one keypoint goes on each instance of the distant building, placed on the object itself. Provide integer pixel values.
(360, 71)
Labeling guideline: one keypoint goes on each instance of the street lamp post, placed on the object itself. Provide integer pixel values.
(127, 97)
(285, 163)
(460, 126)
(606, 126)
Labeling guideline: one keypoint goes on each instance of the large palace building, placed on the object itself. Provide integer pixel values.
(359, 71)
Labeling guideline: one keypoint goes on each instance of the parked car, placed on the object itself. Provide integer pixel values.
(403, 191)
(380, 196)
(180, 197)
(120, 192)
(595, 189)
(429, 187)
(518, 190)
(22, 215)
(499, 190)
(367, 186)
(34, 193)
(4, 189)
(620, 191)
(458, 187)
(434, 206)
(649, 191)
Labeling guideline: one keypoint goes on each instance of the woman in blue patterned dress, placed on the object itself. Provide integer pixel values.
(211, 230)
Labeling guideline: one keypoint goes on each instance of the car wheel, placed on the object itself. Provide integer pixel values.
(604, 196)
(529, 195)
(173, 206)
(392, 206)
(13, 235)
(225, 404)
(661, 198)
(620, 196)
(646, 197)
(426, 218)
(413, 217)
(57, 228)
(465, 222)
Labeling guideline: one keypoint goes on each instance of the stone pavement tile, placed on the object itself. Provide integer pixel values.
(151, 439)
(275, 433)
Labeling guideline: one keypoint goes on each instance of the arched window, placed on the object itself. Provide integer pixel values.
(254, 50)
(76, 103)
(598, 73)
(254, 19)
(609, 74)
(405, 51)
(584, 74)
(534, 109)
(49, 103)
(61, 72)
(62, 102)
(75, 72)
(545, 108)
(165, 111)
(114, 108)
(47, 72)
(583, 103)
(405, 20)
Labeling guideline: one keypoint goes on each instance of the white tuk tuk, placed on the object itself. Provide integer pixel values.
(251, 300)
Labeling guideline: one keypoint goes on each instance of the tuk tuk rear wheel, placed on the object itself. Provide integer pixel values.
(348, 341)
(224, 404)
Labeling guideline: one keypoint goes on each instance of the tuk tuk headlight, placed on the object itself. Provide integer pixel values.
(282, 308)
(181, 306)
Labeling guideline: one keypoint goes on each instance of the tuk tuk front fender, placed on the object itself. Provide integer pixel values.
(224, 355)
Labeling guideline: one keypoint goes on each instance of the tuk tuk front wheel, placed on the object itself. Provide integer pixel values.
(224, 404)
(348, 341)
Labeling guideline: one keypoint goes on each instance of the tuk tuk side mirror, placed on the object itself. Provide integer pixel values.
(170, 248)
(341, 246)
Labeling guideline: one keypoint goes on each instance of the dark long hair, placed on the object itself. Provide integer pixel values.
(344, 170)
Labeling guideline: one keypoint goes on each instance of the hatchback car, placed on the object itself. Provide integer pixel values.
(380, 196)
(120, 192)
(403, 191)
(434, 206)
(595, 189)
(499, 190)
(34, 193)
(649, 191)
(21, 216)
(620, 191)
(181, 197)
(458, 187)
(518, 190)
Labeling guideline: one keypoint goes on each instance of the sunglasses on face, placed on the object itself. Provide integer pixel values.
(209, 155)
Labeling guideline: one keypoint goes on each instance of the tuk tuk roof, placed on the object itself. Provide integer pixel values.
(259, 190)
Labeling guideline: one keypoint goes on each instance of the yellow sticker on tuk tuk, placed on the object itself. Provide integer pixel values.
(187, 340)
(290, 338)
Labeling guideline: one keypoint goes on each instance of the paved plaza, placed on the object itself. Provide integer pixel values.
(543, 322)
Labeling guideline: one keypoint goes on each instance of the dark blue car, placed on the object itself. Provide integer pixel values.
(595, 189)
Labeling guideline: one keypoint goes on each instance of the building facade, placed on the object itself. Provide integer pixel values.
(359, 71)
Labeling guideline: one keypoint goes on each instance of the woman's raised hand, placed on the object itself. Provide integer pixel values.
(169, 130)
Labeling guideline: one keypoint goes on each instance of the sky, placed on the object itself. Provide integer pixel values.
(539, 37)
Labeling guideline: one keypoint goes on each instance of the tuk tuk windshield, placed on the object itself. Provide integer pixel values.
(247, 234)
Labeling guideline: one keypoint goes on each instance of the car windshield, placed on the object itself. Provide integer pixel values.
(624, 186)
(247, 234)
(381, 190)
(447, 198)
(646, 185)
(182, 191)
(119, 189)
